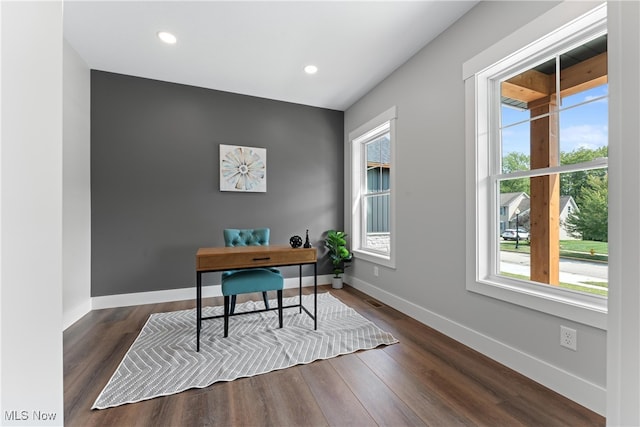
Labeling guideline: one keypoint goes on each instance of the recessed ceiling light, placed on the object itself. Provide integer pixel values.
(167, 37)
(310, 69)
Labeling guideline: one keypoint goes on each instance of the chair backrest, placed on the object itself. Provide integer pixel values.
(246, 237)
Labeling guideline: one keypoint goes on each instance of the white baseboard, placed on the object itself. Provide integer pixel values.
(578, 389)
(71, 316)
(155, 297)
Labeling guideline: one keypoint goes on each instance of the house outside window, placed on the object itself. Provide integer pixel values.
(378, 190)
(372, 185)
(539, 152)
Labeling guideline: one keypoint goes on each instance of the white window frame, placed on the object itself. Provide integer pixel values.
(358, 139)
(481, 75)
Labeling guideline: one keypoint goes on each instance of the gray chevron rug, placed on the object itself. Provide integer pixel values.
(163, 359)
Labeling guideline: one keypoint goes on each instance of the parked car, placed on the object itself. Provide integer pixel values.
(510, 234)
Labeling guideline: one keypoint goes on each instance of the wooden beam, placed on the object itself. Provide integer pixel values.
(533, 85)
(528, 86)
(584, 75)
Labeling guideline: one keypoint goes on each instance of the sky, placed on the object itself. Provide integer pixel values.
(583, 125)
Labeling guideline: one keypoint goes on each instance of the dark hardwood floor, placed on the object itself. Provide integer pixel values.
(425, 379)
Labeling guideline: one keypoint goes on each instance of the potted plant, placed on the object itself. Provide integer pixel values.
(336, 243)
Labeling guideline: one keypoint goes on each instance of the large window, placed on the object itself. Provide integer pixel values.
(372, 183)
(541, 183)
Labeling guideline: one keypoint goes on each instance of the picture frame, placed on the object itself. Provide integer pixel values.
(243, 169)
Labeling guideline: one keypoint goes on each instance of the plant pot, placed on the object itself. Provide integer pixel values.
(336, 283)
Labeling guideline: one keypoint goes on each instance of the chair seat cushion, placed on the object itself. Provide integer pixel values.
(254, 280)
(231, 272)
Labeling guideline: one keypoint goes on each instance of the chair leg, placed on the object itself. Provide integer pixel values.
(265, 298)
(280, 307)
(226, 315)
(233, 304)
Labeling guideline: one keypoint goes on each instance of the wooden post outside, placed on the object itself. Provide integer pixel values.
(538, 91)
(545, 194)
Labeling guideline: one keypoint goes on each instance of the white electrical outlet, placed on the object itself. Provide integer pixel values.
(569, 338)
(375, 270)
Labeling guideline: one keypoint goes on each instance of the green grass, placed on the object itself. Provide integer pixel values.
(603, 292)
(568, 248)
(591, 282)
(580, 249)
(508, 245)
(601, 248)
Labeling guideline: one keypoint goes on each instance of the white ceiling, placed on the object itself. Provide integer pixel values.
(260, 48)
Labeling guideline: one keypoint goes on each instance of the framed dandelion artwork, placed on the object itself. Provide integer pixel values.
(243, 169)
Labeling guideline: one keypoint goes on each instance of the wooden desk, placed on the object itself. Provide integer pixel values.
(243, 257)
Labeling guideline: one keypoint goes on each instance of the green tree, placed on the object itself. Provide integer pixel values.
(592, 221)
(588, 188)
(573, 184)
(514, 162)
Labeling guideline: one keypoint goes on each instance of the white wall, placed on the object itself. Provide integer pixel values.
(76, 187)
(623, 334)
(31, 213)
(429, 281)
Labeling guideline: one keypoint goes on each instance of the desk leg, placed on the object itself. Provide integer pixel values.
(300, 288)
(198, 308)
(315, 296)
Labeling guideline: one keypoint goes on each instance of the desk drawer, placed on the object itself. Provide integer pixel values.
(262, 258)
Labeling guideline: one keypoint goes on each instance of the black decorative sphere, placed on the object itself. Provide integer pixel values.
(295, 241)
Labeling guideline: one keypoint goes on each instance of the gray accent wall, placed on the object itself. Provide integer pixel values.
(155, 194)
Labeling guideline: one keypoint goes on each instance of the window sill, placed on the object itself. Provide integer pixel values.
(584, 309)
(374, 257)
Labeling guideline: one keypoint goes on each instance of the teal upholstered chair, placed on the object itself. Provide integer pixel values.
(249, 280)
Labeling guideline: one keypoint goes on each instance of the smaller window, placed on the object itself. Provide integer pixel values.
(376, 197)
(372, 184)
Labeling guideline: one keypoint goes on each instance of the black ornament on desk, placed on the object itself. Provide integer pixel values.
(306, 242)
(295, 241)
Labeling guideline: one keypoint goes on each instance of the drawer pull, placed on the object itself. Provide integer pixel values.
(262, 259)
